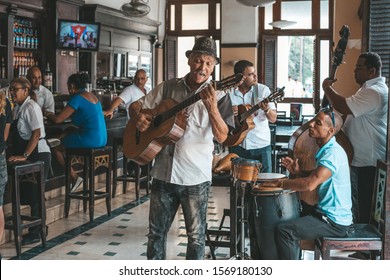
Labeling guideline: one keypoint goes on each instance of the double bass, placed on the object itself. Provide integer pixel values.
(301, 146)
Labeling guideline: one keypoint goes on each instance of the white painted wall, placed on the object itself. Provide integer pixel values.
(239, 23)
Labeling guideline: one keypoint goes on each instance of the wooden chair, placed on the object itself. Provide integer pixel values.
(17, 171)
(364, 237)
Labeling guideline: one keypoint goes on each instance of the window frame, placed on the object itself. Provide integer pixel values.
(316, 31)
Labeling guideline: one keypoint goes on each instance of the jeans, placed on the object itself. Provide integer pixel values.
(362, 183)
(288, 234)
(164, 203)
(262, 154)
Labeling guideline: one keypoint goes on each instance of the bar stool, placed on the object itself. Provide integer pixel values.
(92, 159)
(138, 179)
(17, 222)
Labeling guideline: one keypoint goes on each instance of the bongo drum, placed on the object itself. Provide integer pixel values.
(267, 208)
(245, 170)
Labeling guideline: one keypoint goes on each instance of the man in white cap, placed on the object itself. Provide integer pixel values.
(182, 171)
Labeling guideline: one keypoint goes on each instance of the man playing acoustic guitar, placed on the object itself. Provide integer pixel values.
(182, 171)
(257, 143)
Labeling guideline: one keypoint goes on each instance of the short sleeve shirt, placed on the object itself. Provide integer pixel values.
(260, 135)
(366, 128)
(189, 160)
(30, 118)
(130, 94)
(335, 193)
(45, 99)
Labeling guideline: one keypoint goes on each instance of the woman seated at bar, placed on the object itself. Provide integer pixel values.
(86, 113)
(29, 143)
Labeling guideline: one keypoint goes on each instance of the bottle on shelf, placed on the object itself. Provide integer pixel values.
(3, 69)
(48, 78)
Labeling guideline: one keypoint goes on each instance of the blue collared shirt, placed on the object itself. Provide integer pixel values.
(335, 193)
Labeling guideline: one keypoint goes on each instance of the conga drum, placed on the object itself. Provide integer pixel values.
(267, 208)
(245, 170)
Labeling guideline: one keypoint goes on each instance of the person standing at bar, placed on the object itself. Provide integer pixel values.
(130, 94)
(44, 96)
(28, 138)
(5, 124)
(365, 126)
(182, 171)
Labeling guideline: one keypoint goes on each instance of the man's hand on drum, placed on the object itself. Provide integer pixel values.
(270, 184)
(291, 165)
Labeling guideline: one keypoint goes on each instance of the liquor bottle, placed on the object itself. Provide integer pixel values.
(36, 39)
(48, 78)
(3, 70)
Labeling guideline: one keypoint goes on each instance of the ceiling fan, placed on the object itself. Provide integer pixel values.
(136, 8)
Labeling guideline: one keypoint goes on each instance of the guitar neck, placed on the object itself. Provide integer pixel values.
(224, 84)
(181, 106)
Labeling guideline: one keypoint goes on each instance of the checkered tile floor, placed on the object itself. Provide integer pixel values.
(119, 237)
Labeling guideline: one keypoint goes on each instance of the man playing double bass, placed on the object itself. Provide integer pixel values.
(365, 126)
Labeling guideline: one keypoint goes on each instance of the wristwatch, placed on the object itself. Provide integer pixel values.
(26, 155)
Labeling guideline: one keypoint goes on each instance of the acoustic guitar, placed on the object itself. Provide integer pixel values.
(167, 127)
(244, 119)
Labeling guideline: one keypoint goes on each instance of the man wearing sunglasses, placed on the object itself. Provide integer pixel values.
(332, 215)
(365, 126)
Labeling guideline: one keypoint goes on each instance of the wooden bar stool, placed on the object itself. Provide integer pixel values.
(92, 160)
(137, 179)
(17, 222)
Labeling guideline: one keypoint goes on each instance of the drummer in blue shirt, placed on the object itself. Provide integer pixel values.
(332, 216)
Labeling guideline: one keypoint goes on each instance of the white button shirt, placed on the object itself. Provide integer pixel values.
(260, 135)
(130, 94)
(366, 128)
(189, 161)
(30, 118)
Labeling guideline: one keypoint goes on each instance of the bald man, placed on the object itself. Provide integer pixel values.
(45, 98)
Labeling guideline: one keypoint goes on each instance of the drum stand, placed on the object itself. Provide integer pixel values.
(242, 255)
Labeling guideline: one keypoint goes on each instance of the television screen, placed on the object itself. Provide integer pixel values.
(77, 35)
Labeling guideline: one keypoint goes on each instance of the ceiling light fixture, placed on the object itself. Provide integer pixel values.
(256, 3)
(282, 23)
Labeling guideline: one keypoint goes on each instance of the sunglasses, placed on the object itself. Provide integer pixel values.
(329, 111)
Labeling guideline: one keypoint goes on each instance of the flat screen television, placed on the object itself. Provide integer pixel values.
(78, 35)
